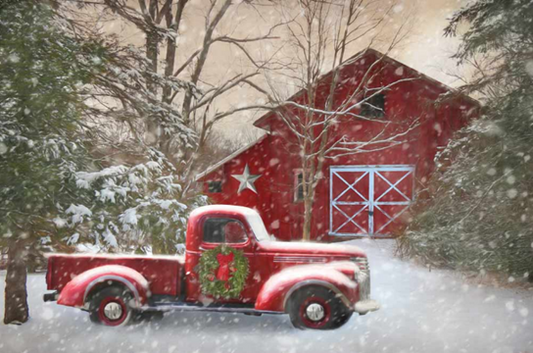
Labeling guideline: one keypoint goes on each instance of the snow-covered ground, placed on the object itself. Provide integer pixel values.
(421, 312)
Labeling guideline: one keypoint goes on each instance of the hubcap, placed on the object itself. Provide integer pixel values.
(113, 311)
(315, 312)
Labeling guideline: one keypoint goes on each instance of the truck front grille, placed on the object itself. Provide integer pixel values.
(362, 262)
(363, 277)
(364, 286)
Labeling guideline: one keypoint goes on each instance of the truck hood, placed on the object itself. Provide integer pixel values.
(307, 248)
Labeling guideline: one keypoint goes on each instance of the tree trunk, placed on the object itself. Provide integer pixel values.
(16, 303)
(172, 23)
(154, 132)
(308, 213)
(152, 49)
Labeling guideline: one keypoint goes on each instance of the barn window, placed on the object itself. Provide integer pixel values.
(298, 186)
(374, 106)
(214, 186)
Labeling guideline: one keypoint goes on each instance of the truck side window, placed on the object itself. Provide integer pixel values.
(224, 230)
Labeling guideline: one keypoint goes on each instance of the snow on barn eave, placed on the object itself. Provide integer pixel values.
(263, 121)
(219, 164)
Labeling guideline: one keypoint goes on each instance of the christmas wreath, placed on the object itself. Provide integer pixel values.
(223, 271)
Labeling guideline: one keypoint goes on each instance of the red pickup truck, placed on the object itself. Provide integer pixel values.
(231, 264)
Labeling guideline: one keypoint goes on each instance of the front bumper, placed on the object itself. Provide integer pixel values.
(50, 296)
(363, 307)
(365, 304)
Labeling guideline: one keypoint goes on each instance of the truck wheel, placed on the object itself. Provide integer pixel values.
(317, 308)
(110, 306)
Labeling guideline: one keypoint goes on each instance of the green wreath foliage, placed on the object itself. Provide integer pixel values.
(231, 288)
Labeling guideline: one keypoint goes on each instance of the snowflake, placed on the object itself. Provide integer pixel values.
(14, 58)
(512, 193)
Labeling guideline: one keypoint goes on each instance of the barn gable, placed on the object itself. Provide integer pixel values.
(209, 171)
(364, 194)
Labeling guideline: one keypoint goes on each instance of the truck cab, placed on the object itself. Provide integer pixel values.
(231, 264)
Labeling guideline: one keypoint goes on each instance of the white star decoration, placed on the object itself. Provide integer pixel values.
(246, 179)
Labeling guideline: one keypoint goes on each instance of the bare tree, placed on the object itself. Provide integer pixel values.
(321, 38)
(157, 97)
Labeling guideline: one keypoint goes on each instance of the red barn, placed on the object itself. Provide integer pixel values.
(363, 194)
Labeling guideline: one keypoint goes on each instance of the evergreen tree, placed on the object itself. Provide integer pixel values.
(52, 191)
(480, 216)
(42, 70)
(133, 209)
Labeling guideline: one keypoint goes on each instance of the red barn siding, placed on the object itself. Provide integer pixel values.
(275, 156)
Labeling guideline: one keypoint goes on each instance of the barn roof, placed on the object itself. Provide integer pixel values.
(261, 122)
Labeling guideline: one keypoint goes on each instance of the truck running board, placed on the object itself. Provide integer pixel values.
(217, 309)
(50, 296)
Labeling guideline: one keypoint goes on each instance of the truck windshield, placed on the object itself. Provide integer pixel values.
(258, 227)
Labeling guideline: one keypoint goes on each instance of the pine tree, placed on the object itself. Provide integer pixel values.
(42, 70)
(481, 214)
(134, 209)
(53, 190)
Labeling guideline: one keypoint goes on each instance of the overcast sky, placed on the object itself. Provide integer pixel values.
(425, 49)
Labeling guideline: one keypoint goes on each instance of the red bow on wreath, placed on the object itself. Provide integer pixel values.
(224, 262)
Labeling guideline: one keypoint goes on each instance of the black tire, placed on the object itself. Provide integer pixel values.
(335, 312)
(120, 297)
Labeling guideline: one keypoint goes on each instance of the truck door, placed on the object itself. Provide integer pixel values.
(231, 232)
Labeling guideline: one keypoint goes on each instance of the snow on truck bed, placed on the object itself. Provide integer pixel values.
(421, 311)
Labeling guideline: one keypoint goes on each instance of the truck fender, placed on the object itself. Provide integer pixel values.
(275, 293)
(77, 290)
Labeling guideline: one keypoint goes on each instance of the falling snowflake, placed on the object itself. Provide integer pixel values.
(524, 312)
(512, 193)
(529, 68)
(3, 148)
(14, 58)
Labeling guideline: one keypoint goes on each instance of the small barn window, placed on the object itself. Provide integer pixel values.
(214, 186)
(298, 186)
(374, 106)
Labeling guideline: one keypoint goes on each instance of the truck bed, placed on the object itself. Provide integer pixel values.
(164, 273)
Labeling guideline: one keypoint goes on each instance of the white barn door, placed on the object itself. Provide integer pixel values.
(368, 200)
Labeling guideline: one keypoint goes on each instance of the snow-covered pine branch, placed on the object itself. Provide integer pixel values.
(134, 207)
